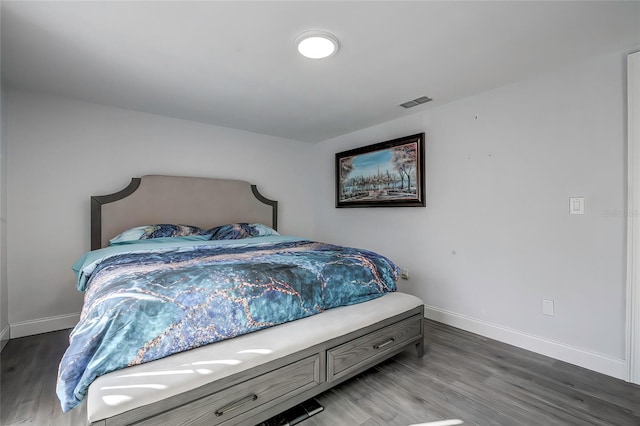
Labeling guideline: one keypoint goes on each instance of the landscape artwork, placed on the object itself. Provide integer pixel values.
(385, 174)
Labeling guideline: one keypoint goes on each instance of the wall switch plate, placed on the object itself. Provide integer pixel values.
(576, 205)
(404, 274)
(547, 307)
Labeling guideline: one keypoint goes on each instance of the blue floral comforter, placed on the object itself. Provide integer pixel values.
(147, 301)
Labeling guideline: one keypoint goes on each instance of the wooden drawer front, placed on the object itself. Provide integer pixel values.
(222, 406)
(351, 354)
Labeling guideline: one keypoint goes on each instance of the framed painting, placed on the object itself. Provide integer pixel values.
(385, 174)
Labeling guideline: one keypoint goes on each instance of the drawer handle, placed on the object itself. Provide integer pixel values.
(236, 404)
(382, 345)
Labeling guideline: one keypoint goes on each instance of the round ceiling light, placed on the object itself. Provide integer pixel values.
(317, 44)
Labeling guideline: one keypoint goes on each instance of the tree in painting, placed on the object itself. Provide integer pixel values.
(404, 162)
(346, 166)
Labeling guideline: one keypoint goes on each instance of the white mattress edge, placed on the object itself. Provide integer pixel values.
(134, 387)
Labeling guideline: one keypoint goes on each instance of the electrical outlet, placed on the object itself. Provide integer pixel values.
(547, 307)
(404, 274)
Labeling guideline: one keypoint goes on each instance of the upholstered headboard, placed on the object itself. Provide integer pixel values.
(194, 201)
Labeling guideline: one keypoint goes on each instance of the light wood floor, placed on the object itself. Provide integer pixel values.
(462, 376)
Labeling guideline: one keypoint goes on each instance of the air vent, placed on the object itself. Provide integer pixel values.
(416, 102)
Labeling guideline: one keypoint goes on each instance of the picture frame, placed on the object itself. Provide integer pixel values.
(384, 174)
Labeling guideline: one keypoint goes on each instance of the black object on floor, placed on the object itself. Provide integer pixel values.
(295, 415)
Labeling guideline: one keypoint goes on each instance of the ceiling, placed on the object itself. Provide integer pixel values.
(234, 64)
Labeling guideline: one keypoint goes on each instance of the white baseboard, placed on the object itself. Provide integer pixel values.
(44, 325)
(4, 336)
(595, 361)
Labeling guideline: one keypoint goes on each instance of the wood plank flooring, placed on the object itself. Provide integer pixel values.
(462, 376)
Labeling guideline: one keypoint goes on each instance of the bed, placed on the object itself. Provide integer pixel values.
(250, 377)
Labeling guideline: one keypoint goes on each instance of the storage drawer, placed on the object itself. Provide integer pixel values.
(230, 402)
(351, 355)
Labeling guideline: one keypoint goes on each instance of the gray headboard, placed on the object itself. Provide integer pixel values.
(194, 201)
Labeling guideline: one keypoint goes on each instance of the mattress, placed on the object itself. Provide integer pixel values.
(140, 385)
(148, 299)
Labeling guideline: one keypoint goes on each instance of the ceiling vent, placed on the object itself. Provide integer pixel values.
(416, 102)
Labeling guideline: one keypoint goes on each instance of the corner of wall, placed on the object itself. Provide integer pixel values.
(4, 305)
(633, 218)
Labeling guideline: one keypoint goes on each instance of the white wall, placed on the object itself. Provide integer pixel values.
(64, 151)
(496, 236)
(4, 311)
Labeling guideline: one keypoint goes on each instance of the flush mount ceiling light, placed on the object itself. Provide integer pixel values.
(317, 44)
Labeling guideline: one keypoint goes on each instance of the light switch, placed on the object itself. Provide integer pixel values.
(576, 205)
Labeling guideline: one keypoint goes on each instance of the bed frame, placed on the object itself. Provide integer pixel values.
(249, 395)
